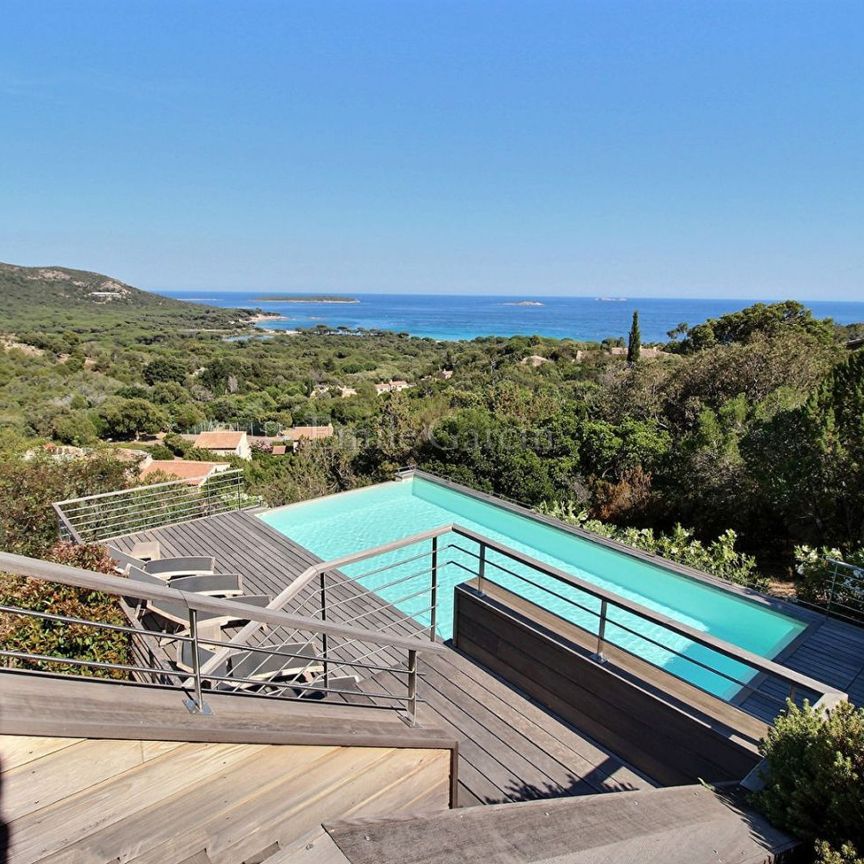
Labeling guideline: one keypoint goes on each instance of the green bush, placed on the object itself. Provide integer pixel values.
(814, 772)
(816, 578)
(719, 557)
(846, 854)
(28, 525)
(55, 639)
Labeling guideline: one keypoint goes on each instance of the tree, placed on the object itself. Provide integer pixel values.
(28, 525)
(760, 318)
(74, 427)
(126, 419)
(634, 341)
(165, 369)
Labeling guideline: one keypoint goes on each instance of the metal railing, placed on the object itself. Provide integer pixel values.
(365, 610)
(400, 588)
(94, 518)
(843, 593)
(196, 680)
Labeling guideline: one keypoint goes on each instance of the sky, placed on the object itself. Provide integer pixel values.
(653, 148)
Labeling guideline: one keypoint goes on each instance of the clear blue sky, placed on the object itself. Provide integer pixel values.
(648, 148)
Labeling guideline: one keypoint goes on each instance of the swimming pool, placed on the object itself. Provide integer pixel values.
(352, 521)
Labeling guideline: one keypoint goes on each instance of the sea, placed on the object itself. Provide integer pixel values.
(457, 317)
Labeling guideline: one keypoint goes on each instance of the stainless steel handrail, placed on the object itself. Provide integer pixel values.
(119, 586)
(734, 652)
(194, 604)
(116, 492)
(758, 663)
(94, 518)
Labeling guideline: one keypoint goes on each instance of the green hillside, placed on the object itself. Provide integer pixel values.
(57, 299)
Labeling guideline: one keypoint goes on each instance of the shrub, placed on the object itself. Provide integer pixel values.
(719, 557)
(28, 525)
(55, 639)
(816, 577)
(814, 771)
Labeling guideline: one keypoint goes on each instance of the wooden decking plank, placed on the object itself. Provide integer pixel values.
(540, 771)
(18, 750)
(47, 831)
(187, 818)
(512, 775)
(532, 724)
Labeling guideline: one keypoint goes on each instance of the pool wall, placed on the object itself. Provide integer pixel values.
(657, 728)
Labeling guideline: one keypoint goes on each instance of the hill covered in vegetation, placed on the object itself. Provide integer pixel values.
(52, 300)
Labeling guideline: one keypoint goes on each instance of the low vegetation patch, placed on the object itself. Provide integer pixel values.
(719, 557)
(815, 780)
(62, 640)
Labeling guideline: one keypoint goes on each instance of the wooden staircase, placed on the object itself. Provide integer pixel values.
(99, 773)
(675, 825)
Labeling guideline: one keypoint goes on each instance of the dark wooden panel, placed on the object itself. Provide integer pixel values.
(656, 736)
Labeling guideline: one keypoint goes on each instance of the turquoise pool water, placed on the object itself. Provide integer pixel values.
(341, 524)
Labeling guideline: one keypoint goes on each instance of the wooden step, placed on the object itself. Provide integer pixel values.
(36, 705)
(676, 825)
(155, 802)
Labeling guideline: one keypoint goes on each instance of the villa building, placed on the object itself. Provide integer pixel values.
(391, 386)
(225, 443)
(189, 471)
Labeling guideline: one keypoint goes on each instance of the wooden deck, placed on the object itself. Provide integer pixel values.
(510, 748)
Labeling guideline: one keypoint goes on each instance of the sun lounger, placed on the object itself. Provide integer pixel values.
(166, 568)
(257, 667)
(176, 612)
(210, 584)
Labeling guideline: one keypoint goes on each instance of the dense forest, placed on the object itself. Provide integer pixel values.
(751, 423)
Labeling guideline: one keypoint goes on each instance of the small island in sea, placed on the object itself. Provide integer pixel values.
(305, 298)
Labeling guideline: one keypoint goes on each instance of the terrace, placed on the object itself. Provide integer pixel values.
(543, 683)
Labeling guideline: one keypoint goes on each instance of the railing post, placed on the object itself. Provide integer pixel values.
(197, 705)
(481, 568)
(599, 656)
(324, 643)
(833, 587)
(412, 687)
(434, 589)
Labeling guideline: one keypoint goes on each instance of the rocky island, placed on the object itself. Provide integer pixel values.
(305, 298)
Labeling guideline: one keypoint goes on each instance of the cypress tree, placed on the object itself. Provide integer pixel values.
(634, 342)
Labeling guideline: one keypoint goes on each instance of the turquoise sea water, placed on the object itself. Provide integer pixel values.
(346, 523)
(444, 316)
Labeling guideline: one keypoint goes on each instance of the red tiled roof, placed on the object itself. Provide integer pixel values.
(191, 472)
(219, 440)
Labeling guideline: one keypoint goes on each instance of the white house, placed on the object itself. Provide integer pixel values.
(225, 443)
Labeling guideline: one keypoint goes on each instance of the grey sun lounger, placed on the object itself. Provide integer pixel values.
(257, 667)
(347, 684)
(210, 584)
(166, 568)
(176, 612)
